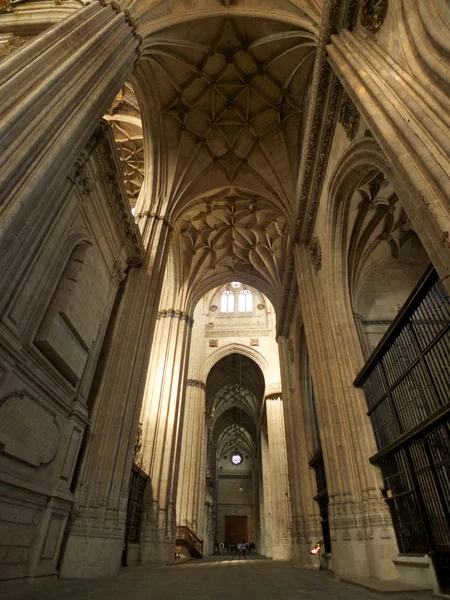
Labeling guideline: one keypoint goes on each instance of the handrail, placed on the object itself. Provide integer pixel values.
(184, 533)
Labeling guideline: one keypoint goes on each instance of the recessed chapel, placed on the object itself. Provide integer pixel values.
(224, 286)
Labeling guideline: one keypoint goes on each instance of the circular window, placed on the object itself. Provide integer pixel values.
(236, 458)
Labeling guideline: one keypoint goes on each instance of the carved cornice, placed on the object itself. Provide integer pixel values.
(238, 333)
(326, 91)
(173, 313)
(373, 13)
(196, 383)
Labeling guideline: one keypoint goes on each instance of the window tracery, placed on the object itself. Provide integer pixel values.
(236, 295)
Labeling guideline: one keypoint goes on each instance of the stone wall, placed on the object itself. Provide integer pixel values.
(51, 334)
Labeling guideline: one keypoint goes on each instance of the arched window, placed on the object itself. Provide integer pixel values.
(227, 301)
(245, 301)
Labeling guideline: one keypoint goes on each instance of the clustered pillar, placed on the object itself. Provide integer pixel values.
(191, 490)
(95, 538)
(162, 423)
(279, 482)
(305, 517)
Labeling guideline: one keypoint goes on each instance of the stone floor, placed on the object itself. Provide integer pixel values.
(219, 578)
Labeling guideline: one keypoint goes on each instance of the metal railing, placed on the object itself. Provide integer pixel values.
(193, 543)
(407, 387)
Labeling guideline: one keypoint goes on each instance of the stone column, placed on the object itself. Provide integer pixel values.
(305, 517)
(54, 92)
(279, 482)
(201, 485)
(408, 116)
(95, 539)
(162, 422)
(192, 469)
(265, 500)
(362, 538)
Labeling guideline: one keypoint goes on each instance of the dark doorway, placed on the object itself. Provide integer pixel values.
(236, 529)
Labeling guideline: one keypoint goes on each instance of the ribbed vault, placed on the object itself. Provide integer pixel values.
(236, 236)
(231, 94)
(234, 393)
(380, 232)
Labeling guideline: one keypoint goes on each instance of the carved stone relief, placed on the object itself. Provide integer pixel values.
(373, 13)
(316, 253)
(348, 116)
(28, 431)
(213, 343)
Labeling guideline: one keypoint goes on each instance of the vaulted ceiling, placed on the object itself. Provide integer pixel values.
(234, 394)
(234, 235)
(231, 94)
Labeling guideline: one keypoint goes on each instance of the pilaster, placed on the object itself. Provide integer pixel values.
(54, 92)
(362, 538)
(279, 482)
(305, 517)
(95, 537)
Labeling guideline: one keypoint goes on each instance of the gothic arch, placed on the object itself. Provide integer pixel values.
(235, 348)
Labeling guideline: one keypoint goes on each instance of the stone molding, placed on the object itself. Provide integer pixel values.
(196, 383)
(112, 185)
(173, 313)
(273, 388)
(237, 333)
(155, 216)
(273, 397)
(128, 20)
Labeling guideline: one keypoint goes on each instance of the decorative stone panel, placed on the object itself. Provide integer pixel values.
(28, 431)
(213, 343)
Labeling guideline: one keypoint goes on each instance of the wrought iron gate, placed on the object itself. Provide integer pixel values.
(407, 386)
(138, 486)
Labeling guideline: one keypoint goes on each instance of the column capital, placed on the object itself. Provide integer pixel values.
(196, 383)
(173, 313)
(273, 389)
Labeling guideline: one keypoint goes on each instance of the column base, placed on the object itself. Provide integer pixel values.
(361, 557)
(301, 556)
(281, 552)
(91, 556)
(157, 551)
(266, 550)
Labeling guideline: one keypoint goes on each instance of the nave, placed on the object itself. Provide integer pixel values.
(213, 578)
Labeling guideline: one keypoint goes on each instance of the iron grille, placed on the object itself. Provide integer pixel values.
(407, 386)
(137, 488)
(317, 463)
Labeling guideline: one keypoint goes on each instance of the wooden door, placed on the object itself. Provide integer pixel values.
(236, 528)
